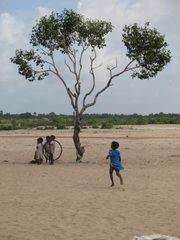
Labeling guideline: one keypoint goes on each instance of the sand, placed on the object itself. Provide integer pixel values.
(75, 201)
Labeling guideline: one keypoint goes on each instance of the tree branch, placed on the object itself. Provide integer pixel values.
(92, 59)
(56, 72)
(85, 106)
(110, 69)
(84, 48)
(69, 67)
(43, 51)
(72, 57)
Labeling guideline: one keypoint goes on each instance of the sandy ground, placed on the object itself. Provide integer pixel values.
(74, 201)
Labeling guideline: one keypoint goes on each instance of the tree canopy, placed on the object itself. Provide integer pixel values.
(147, 47)
(59, 32)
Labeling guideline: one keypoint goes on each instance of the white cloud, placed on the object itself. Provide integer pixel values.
(12, 36)
(122, 12)
(79, 5)
(11, 29)
(41, 11)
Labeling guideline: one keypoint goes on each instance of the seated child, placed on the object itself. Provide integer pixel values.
(38, 155)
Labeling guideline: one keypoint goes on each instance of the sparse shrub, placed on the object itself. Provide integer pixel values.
(6, 127)
(61, 126)
(48, 127)
(95, 126)
(107, 125)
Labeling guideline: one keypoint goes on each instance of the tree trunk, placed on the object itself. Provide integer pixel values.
(77, 128)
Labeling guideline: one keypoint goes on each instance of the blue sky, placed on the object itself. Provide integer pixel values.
(27, 6)
(128, 96)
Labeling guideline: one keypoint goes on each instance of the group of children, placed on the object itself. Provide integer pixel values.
(48, 148)
(44, 150)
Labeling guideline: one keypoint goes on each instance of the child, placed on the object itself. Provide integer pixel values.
(38, 156)
(52, 149)
(115, 162)
(47, 148)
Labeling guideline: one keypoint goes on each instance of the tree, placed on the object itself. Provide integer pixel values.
(72, 35)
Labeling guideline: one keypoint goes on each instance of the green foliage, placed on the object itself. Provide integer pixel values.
(66, 31)
(107, 125)
(147, 47)
(58, 32)
(95, 126)
(62, 31)
(23, 60)
(6, 127)
(61, 126)
(104, 121)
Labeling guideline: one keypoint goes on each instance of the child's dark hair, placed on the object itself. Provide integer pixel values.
(47, 138)
(114, 145)
(52, 137)
(40, 140)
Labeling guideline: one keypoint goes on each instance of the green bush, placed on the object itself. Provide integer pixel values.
(95, 126)
(48, 127)
(61, 126)
(6, 127)
(106, 125)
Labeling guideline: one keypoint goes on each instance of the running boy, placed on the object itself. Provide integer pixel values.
(115, 162)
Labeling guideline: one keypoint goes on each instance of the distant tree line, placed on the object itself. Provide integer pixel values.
(52, 120)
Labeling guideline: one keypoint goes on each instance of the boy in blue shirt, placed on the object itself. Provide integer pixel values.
(115, 162)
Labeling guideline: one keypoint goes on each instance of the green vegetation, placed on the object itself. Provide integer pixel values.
(104, 121)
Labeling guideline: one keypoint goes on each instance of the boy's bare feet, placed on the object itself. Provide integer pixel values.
(112, 185)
